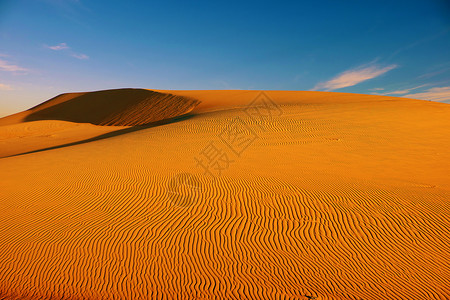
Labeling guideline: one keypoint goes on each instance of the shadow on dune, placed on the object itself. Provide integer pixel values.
(138, 108)
(111, 134)
(119, 107)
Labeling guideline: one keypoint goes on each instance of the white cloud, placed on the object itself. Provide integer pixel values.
(80, 56)
(68, 50)
(6, 66)
(435, 94)
(353, 77)
(5, 87)
(376, 89)
(61, 46)
(398, 92)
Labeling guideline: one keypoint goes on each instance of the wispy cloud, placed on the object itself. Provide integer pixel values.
(61, 46)
(65, 47)
(8, 67)
(398, 92)
(405, 91)
(435, 73)
(80, 56)
(353, 77)
(435, 94)
(5, 87)
(419, 42)
(376, 89)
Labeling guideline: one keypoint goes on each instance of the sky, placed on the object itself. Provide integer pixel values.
(394, 48)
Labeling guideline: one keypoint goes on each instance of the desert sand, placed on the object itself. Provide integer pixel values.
(134, 194)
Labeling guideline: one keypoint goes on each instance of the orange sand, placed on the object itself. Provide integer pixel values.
(338, 196)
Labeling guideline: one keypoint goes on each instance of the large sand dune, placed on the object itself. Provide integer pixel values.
(123, 107)
(312, 195)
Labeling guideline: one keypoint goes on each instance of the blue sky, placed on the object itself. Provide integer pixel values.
(399, 48)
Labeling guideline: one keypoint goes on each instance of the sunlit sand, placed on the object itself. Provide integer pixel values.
(131, 194)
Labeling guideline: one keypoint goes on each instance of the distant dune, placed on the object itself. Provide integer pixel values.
(69, 118)
(134, 194)
(122, 107)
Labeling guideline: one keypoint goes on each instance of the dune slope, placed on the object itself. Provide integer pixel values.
(121, 107)
(37, 135)
(65, 119)
(314, 196)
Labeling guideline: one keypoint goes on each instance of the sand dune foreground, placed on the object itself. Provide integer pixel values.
(132, 194)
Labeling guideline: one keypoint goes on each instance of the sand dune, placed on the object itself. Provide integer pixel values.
(69, 118)
(33, 136)
(336, 196)
(122, 107)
